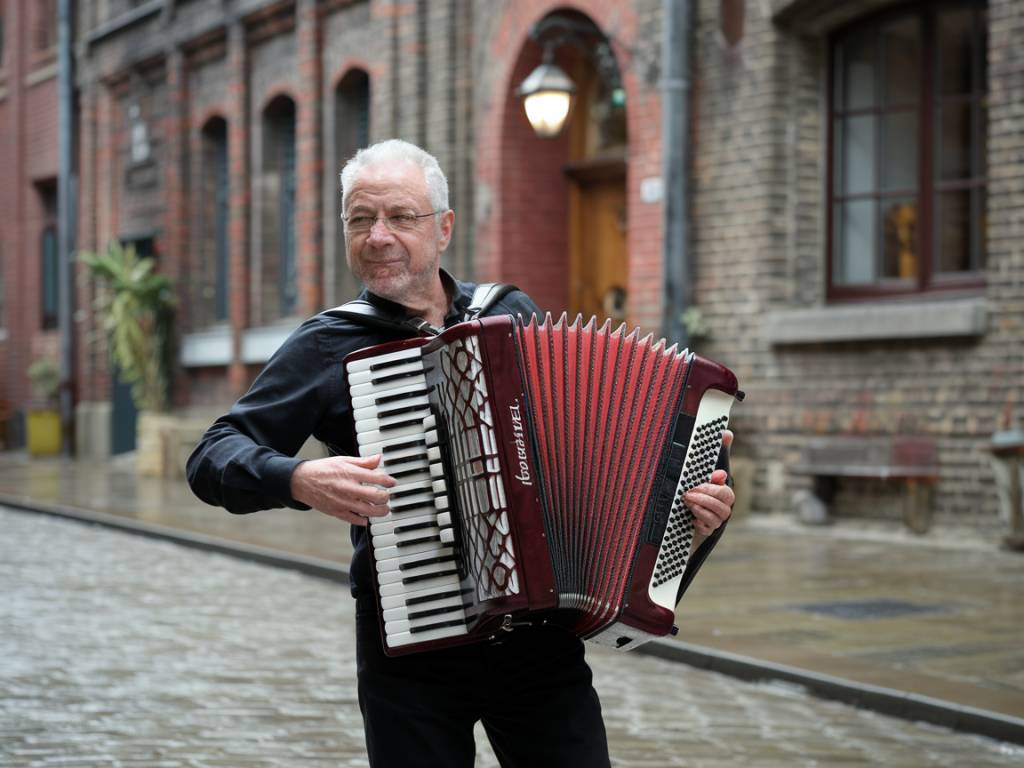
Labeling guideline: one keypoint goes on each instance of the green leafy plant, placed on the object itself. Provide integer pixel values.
(44, 377)
(696, 326)
(137, 310)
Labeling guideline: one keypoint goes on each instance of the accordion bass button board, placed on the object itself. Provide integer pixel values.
(541, 469)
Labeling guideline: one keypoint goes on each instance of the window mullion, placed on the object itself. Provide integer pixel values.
(927, 126)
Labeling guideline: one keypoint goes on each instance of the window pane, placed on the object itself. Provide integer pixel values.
(855, 243)
(857, 152)
(981, 141)
(899, 160)
(953, 146)
(856, 71)
(953, 48)
(899, 244)
(953, 231)
(901, 49)
(980, 226)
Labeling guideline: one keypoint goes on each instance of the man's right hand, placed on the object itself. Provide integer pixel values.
(343, 487)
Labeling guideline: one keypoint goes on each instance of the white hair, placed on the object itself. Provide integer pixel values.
(397, 150)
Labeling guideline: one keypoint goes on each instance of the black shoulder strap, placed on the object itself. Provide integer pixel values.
(486, 296)
(364, 313)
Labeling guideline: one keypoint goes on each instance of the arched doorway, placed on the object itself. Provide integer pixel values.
(564, 211)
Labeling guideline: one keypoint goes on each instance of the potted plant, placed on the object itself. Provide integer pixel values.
(44, 433)
(136, 308)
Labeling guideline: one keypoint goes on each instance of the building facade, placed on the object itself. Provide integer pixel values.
(850, 196)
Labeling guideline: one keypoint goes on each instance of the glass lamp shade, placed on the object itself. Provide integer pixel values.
(547, 95)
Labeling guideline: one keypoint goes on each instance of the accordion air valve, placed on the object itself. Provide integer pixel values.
(541, 469)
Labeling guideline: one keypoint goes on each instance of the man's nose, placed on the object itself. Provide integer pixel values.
(379, 233)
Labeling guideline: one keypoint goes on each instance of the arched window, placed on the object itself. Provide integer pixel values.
(351, 133)
(48, 260)
(209, 282)
(278, 283)
(908, 151)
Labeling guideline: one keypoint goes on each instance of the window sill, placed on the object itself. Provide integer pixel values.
(258, 344)
(878, 322)
(205, 348)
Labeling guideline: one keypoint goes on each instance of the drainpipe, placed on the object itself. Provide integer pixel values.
(675, 158)
(67, 182)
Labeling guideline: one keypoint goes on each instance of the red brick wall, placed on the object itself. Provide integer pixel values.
(523, 236)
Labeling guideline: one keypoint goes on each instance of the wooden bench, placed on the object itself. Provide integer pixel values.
(912, 460)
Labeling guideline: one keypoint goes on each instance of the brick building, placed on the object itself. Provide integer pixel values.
(852, 198)
(28, 197)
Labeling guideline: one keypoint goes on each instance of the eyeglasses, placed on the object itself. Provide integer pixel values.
(400, 222)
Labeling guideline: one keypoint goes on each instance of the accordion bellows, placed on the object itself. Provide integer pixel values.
(541, 469)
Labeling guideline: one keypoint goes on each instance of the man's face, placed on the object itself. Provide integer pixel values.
(395, 264)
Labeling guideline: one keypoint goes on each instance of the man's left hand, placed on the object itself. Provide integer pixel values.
(711, 502)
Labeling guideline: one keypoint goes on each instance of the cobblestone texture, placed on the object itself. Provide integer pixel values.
(121, 651)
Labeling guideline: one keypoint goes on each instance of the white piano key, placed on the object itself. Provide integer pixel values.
(402, 612)
(444, 519)
(370, 400)
(385, 374)
(411, 589)
(407, 625)
(393, 456)
(391, 435)
(365, 363)
(407, 638)
(427, 569)
(394, 539)
(386, 553)
(387, 525)
(386, 442)
(447, 536)
(395, 563)
(386, 388)
(376, 424)
(395, 601)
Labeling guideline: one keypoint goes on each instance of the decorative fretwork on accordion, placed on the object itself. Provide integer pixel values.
(541, 470)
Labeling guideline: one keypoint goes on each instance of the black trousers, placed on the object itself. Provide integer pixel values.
(532, 691)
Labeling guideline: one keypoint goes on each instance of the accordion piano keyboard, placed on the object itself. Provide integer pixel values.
(417, 574)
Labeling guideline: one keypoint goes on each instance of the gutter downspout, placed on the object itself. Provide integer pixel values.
(675, 158)
(67, 183)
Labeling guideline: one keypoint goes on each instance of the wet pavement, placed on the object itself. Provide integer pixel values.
(936, 616)
(124, 651)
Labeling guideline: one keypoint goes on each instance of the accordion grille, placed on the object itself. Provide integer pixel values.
(464, 399)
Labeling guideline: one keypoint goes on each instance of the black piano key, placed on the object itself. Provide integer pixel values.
(384, 399)
(438, 625)
(413, 443)
(427, 612)
(439, 596)
(428, 576)
(428, 561)
(376, 381)
(383, 365)
(421, 540)
(402, 509)
(414, 526)
(400, 424)
(410, 491)
(383, 414)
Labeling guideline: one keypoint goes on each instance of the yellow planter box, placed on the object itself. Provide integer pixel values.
(43, 432)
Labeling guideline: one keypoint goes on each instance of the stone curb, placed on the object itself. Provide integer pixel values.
(886, 701)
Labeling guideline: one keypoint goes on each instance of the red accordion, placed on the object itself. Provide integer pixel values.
(540, 469)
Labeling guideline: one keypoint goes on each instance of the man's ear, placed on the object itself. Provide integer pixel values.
(447, 225)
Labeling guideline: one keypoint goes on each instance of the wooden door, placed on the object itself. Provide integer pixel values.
(598, 264)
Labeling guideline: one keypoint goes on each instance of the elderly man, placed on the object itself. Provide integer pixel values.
(532, 690)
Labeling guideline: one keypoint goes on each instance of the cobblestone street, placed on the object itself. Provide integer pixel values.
(122, 651)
